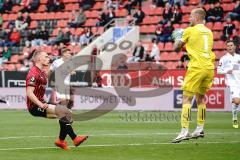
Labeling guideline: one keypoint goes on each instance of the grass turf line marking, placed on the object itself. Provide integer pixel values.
(117, 134)
(118, 145)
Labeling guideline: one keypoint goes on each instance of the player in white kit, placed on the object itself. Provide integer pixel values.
(65, 99)
(230, 66)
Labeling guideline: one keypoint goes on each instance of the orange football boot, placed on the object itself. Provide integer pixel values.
(79, 139)
(62, 144)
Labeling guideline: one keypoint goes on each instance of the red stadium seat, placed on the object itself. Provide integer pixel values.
(50, 15)
(35, 16)
(154, 19)
(216, 63)
(95, 30)
(237, 24)
(168, 46)
(66, 15)
(14, 58)
(173, 56)
(33, 25)
(175, 26)
(72, 31)
(171, 65)
(218, 26)
(98, 5)
(87, 14)
(185, 18)
(164, 56)
(79, 31)
(94, 14)
(11, 67)
(18, 66)
(194, 2)
(218, 45)
(90, 22)
(41, 8)
(227, 7)
(209, 25)
(161, 46)
(44, 1)
(62, 23)
(147, 45)
(5, 17)
(219, 54)
(216, 35)
(16, 9)
(48, 49)
(151, 29)
(158, 11)
(12, 17)
(226, 1)
(55, 32)
(59, 15)
(184, 25)
(163, 64)
(100, 30)
(148, 11)
(186, 9)
(147, 20)
(71, 7)
(5, 25)
(143, 29)
(207, 6)
(121, 13)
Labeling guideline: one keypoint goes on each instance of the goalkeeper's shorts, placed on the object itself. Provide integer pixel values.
(197, 81)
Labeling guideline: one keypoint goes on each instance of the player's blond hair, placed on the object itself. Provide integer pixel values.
(200, 13)
(36, 54)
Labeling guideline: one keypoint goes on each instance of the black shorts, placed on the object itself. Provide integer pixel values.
(37, 111)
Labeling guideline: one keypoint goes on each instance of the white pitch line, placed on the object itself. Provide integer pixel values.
(24, 137)
(119, 145)
(119, 134)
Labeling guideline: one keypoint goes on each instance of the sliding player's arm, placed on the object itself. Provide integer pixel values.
(34, 99)
(31, 95)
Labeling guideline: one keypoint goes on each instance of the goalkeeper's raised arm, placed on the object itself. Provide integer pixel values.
(177, 36)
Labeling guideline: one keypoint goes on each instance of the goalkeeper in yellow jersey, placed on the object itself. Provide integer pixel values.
(198, 79)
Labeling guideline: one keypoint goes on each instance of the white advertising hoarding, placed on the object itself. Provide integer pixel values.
(217, 99)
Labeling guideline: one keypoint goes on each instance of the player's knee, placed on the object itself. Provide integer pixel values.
(187, 99)
(63, 102)
(66, 119)
(236, 101)
(200, 99)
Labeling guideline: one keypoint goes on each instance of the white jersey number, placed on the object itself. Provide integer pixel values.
(205, 39)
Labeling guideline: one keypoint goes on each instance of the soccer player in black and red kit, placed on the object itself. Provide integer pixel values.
(35, 85)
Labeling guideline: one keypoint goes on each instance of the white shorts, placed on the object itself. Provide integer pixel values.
(234, 92)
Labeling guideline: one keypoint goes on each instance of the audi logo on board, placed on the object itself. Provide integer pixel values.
(116, 80)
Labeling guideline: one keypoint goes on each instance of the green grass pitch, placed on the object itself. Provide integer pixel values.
(115, 137)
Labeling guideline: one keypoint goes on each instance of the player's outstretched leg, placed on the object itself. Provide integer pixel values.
(66, 123)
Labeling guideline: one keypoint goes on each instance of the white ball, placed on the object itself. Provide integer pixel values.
(177, 34)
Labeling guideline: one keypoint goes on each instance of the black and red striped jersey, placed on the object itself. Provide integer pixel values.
(38, 79)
